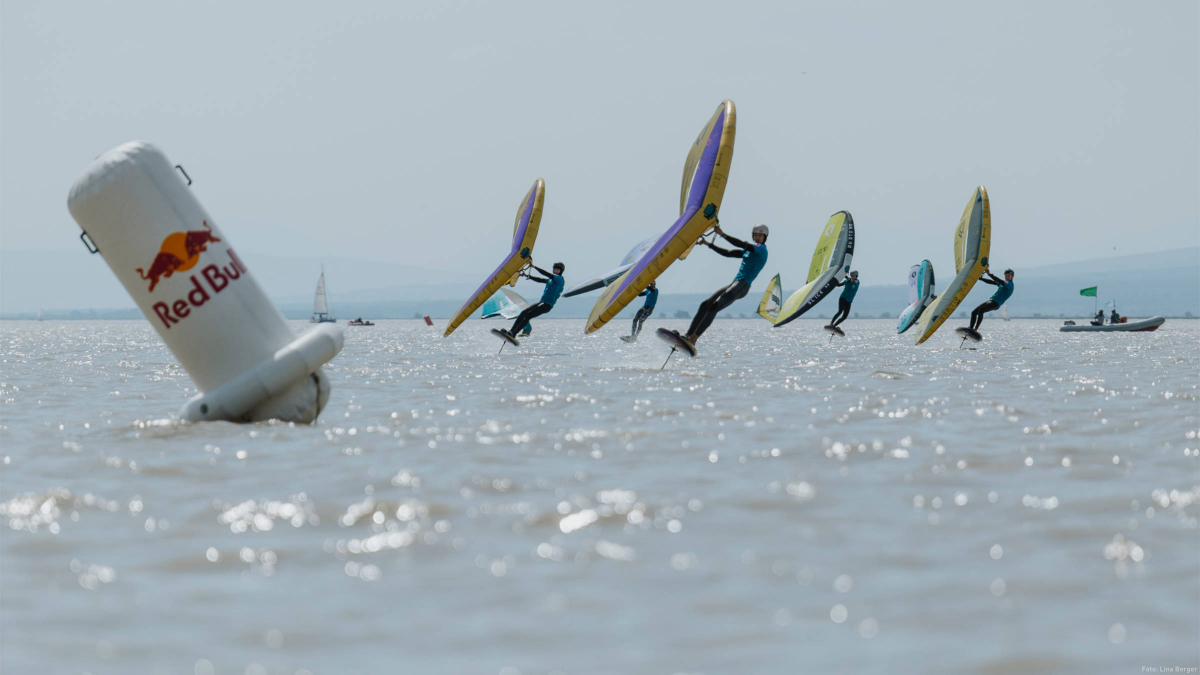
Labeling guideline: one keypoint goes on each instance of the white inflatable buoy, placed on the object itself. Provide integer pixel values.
(184, 275)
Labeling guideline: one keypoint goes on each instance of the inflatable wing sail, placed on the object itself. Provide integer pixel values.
(497, 305)
(516, 299)
(830, 264)
(972, 243)
(920, 294)
(525, 230)
(772, 299)
(705, 174)
(612, 275)
(506, 303)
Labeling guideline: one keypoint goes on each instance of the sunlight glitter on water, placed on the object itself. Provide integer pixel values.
(720, 515)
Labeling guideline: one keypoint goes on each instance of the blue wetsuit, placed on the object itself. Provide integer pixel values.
(651, 297)
(1003, 293)
(849, 289)
(754, 258)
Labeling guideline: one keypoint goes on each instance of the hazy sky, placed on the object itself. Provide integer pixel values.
(406, 132)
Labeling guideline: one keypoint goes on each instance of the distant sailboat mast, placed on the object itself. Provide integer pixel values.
(321, 312)
(319, 304)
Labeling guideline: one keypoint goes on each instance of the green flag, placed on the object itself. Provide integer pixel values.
(1088, 291)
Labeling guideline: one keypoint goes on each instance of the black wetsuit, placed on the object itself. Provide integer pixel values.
(549, 297)
(998, 298)
(735, 291)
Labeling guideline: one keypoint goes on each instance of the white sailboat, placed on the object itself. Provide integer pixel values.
(321, 313)
(1004, 312)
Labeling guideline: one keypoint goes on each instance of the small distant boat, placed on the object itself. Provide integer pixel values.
(321, 313)
(1004, 313)
(359, 322)
(1128, 327)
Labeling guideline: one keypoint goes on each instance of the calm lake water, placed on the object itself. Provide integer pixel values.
(780, 504)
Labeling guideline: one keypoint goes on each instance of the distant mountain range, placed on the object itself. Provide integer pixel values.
(71, 279)
(1166, 283)
(1177, 258)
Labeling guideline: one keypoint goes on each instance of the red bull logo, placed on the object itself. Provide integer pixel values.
(180, 251)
